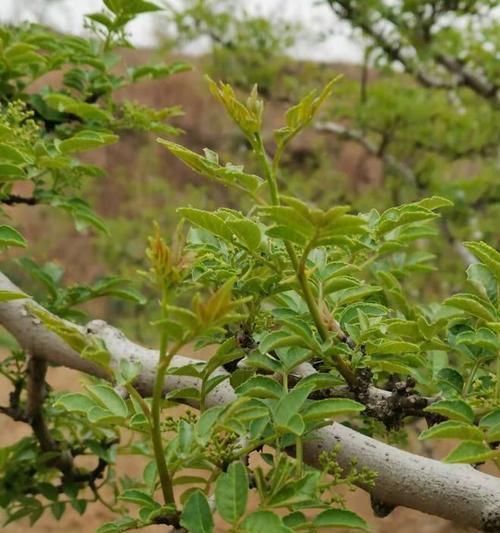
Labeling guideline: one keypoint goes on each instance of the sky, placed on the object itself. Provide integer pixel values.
(66, 15)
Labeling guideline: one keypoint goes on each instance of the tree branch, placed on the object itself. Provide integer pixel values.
(13, 199)
(455, 492)
(408, 56)
(37, 369)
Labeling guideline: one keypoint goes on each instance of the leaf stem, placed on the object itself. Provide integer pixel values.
(270, 174)
(269, 171)
(144, 406)
(299, 455)
(163, 362)
(470, 378)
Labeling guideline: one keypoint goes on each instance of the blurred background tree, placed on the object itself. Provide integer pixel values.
(432, 116)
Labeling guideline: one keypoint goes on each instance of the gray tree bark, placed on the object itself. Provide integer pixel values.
(455, 492)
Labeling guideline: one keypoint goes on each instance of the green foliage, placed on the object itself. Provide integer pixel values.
(62, 300)
(42, 132)
(307, 311)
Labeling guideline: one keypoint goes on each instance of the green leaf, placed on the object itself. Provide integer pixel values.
(289, 219)
(13, 155)
(247, 117)
(227, 352)
(159, 70)
(283, 233)
(295, 519)
(101, 18)
(474, 305)
(471, 452)
(138, 497)
(196, 514)
(79, 506)
(281, 339)
(339, 518)
(69, 333)
(206, 220)
(291, 404)
(230, 175)
(482, 279)
(301, 114)
(453, 409)
(48, 491)
(122, 524)
(487, 254)
(452, 378)
(355, 294)
(391, 347)
(482, 338)
(295, 424)
(101, 415)
(260, 387)
(76, 402)
(109, 399)
(11, 237)
(493, 434)
(57, 509)
(320, 381)
(451, 429)
(9, 171)
(264, 521)
(81, 212)
(435, 202)
(491, 419)
(130, 7)
(64, 103)
(297, 491)
(244, 412)
(396, 217)
(258, 360)
(329, 408)
(231, 493)
(247, 231)
(208, 420)
(86, 140)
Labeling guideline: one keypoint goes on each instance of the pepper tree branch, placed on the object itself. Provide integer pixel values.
(454, 492)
